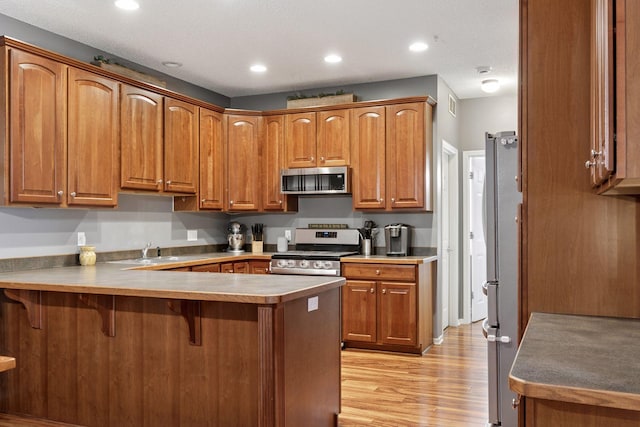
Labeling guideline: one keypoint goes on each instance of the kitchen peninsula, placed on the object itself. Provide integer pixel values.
(110, 346)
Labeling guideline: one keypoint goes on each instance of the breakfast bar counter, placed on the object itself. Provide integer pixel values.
(105, 345)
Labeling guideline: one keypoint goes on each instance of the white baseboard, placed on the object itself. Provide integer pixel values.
(438, 340)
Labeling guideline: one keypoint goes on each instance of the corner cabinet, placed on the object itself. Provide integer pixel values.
(388, 306)
(243, 162)
(614, 159)
(391, 157)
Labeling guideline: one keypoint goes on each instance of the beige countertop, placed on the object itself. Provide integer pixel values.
(121, 279)
(383, 259)
(580, 359)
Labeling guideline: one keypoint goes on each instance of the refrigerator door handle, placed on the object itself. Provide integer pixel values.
(490, 289)
(494, 367)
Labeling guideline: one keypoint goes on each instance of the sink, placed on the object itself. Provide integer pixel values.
(148, 261)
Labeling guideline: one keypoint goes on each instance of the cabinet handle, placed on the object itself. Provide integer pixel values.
(371, 290)
(73, 194)
(60, 193)
(377, 272)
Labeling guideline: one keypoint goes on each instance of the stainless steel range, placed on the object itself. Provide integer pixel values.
(318, 252)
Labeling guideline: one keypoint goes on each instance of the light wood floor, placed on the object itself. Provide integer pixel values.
(447, 387)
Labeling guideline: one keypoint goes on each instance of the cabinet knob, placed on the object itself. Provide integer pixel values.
(515, 402)
(381, 200)
(202, 201)
(73, 194)
(322, 159)
(230, 202)
(393, 200)
(279, 202)
(384, 291)
(159, 181)
(371, 290)
(589, 163)
(60, 193)
(168, 182)
(377, 272)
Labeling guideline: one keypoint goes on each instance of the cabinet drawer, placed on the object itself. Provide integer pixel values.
(206, 268)
(379, 271)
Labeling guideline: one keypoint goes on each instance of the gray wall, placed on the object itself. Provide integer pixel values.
(37, 36)
(490, 114)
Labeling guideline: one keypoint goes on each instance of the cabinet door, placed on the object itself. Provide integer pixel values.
(406, 155)
(602, 91)
(259, 267)
(359, 311)
(300, 137)
(368, 157)
(333, 144)
(226, 267)
(241, 267)
(272, 162)
(211, 160)
(180, 146)
(398, 313)
(141, 139)
(243, 163)
(37, 132)
(92, 140)
(207, 268)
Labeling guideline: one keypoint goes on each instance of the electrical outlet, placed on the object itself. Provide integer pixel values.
(287, 234)
(192, 235)
(82, 239)
(312, 304)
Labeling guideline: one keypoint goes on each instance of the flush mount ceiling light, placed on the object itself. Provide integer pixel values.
(483, 70)
(418, 47)
(172, 64)
(490, 85)
(332, 59)
(258, 68)
(127, 4)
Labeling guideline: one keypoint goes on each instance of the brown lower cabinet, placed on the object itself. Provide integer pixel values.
(387, 306)
(246, 267)
(543, 413)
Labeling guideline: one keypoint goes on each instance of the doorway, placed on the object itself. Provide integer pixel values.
(475, 248)
(449, 254)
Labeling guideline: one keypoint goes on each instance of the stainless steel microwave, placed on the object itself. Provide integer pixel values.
(333, 180)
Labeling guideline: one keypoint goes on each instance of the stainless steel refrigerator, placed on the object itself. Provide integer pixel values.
(501, 231)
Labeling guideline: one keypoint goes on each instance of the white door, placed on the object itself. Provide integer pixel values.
(477, 240)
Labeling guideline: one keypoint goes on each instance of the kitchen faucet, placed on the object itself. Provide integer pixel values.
(145, 249)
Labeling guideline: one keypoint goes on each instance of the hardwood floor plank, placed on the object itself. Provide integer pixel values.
(447, 387)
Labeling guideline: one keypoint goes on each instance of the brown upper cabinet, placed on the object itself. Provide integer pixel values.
(391, 159)
(181, 128)
(317, 139)
(272, 161)
(243, 159)
(141, 139)
(614, 160)
(63, 130)
(211, 160)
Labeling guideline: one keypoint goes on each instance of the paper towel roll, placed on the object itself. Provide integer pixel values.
(283, 244)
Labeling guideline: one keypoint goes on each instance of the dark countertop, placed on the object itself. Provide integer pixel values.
(580, 359)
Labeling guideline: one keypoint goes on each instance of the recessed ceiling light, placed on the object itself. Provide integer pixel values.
(418, 47)
(483, 70)
(258, 68)
(333, 59)
(127, 4)
(172, 64)
(490, 85)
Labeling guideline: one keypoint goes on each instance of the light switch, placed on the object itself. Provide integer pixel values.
(82, 239)
(312, 304)
(192, 235)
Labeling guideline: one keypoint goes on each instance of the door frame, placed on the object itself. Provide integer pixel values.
(466, 213)
(451, 152)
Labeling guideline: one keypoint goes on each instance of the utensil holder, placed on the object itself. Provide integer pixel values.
(366, 247)
(256, 246)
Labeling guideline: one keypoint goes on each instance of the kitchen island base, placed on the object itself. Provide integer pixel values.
(144, 361)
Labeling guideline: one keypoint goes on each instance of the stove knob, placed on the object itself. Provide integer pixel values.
(318, 264)
(304, 263)
(328, 264)
(282, 263)
(291, 263)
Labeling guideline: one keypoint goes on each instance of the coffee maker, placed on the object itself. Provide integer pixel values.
(236, 237)
(398, 239)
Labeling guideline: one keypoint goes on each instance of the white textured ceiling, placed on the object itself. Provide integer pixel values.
(217, 40)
